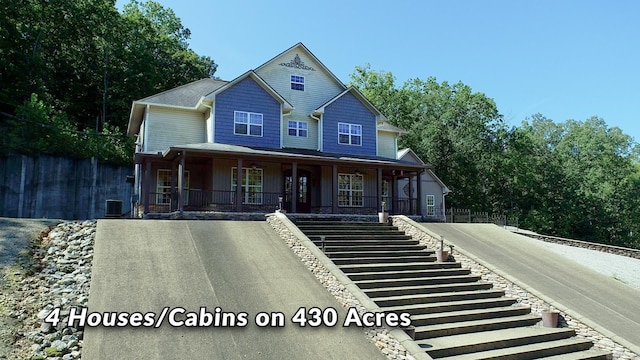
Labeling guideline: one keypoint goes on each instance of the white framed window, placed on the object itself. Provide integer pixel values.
(350, 190)
(251, 185)
(431, 205)
(247, 123)
(349, 134)
(163, 187)
(298, 128)
(297, 82)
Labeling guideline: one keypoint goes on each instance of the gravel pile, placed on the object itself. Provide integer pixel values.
(61, 280)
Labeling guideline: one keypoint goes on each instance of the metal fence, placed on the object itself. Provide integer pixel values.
(453, 215)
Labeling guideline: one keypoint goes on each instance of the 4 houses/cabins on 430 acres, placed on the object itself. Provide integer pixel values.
(288, 133)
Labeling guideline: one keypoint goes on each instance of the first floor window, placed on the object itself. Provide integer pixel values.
(386, 192)
(349, 134)
(251, 185)
(163, 187)
(298, 128)
(431, 205)
(247, 123)
(350, 190)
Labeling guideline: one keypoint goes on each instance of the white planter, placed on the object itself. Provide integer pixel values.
(550, 319)
(383, 217)
(442, 255)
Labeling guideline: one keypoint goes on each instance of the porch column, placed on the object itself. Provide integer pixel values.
(334, 191)
(147, 184)
(239, 187)
(294, 186)
(173, 195)
(394, 194)
(379, 183)
(419, 192)
(181, 182)
(410, 194)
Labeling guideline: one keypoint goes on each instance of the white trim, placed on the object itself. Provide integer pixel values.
(303, 83)
(245, 200)
(297, 128)
(433, 206)
(351, 190)
(146, 128)
(350, 125)
(248, 113)
(185, 187)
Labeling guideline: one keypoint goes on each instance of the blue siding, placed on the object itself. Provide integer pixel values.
(349, 109)
(248, 96)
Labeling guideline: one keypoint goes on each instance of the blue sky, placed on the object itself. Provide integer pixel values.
(563, 59)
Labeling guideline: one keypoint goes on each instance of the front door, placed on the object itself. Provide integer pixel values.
(303, 201)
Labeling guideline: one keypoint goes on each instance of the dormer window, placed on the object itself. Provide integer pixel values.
(297, 82)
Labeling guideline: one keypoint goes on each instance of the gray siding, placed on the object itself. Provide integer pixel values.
(170, 127)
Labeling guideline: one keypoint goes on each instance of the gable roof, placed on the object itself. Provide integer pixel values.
(386, 126)
(185, 96)
(263, 84)
(300, 46)
(355, 92)
(406, 154)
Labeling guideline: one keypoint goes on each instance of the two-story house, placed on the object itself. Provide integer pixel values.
(288, 133)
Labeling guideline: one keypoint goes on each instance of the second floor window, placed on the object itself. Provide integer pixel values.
(298, 128)
(297, 82)
(349, 134)
(247, 123)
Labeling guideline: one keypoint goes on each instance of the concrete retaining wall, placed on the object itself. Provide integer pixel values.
(60, 187)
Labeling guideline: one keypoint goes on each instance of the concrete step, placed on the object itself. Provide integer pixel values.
(333, 223)
(469, 315)
(416, 309)
(401, 300)
(491, 340)
(376, 242)
(426, 289)
(349, 237)
(407, 274)
(474, 326)
(530, 351)
(378, 253)
(356, 268)
(421, 281)
(372, 248)
(590, 354)
(355, 230)
(423, 256)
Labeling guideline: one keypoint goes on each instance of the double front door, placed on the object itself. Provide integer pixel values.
(303, 191)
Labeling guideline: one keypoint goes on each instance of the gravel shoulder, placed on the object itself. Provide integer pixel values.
(15, 237)
(621, 268)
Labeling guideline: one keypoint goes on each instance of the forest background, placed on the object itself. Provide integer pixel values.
(69, 70)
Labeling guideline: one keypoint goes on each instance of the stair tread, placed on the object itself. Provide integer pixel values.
(452, 277)
(470, 312)
(405, 308)
(483, 337)
(433, 286)
(475, 292)
(523, 349)
(462, 324)
(582, 355)
(383, 265)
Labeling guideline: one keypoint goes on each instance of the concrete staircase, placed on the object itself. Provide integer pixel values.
(456, 315)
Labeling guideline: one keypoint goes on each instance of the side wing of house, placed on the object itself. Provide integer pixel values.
(432, 189)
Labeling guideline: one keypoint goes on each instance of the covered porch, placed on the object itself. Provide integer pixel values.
(204, 177)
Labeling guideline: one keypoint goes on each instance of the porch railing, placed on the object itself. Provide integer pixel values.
(225, 201)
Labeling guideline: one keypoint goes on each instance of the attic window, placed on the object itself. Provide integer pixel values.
(297, 82)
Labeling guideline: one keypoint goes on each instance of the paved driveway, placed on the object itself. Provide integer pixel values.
(601, 299)
(145, 265)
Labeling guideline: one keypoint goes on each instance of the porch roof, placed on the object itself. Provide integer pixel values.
(302, 155)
